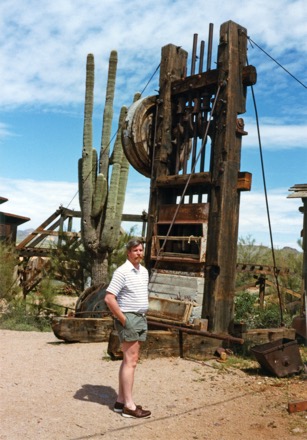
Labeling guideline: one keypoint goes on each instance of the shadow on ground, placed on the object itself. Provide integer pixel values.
(103, 395)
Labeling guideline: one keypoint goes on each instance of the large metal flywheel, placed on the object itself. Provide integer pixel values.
(138, 134)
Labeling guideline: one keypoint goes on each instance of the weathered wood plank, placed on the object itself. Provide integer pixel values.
(164, 343)
(170, 309)
(209, 79)
(193, 283)
(191, 213)
(175, 290)
(82, 329)
(203, 178)
(262, 336)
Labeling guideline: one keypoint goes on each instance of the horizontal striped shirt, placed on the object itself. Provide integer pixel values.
(130, 286)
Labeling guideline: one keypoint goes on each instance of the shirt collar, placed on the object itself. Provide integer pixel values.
(131, 267)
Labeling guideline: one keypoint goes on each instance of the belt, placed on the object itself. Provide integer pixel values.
(137, 313)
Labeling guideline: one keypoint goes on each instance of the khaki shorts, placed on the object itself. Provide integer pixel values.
(135, 328)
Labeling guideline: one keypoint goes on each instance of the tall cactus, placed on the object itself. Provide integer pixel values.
(101, 198)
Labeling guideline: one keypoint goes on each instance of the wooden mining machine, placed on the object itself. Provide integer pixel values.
(187, 141)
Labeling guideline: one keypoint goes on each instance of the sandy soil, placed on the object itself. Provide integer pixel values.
(53, 390)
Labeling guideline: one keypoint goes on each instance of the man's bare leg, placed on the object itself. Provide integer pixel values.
(126, 373)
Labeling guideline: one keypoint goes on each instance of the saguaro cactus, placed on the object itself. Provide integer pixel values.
(101, 198)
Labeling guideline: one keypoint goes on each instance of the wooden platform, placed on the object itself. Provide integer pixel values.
(263, 335)
(164, 343)
(93, 329)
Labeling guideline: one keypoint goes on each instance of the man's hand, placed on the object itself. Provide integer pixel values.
(113, 306)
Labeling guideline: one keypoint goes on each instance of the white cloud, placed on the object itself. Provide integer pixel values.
(36, 200)
(5, 131)
(39, 200)
(285, 219)
(45, 43)
(276, 136)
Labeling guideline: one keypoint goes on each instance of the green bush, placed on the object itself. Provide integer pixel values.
(8, 264)
(270, 317)
(245, 308)
(42, 302)
(247, 311)
(32, 314)
(18, 318)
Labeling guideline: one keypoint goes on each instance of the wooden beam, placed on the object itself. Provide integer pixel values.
(204, 179)
(172, 67)
(209, 79)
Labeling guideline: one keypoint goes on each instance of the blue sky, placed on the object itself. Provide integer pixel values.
(43, 52)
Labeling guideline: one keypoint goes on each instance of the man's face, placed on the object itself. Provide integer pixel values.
(135, 254)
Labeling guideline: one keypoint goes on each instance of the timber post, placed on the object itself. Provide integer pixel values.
(172, 67)
(223, 197)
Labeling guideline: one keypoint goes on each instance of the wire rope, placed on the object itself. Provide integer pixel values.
(275, 61)
(267, 206)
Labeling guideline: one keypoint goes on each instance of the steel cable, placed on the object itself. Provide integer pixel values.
(267, 207)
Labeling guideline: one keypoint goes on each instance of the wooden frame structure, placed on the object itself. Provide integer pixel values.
(195, 187)
(57, 229)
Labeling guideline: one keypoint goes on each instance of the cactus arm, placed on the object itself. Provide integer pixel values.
(100, 195)
(124, 172)
(93, 174)
(86, 168)
(108, 233)
(108, 116)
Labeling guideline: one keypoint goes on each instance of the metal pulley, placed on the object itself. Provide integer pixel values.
(138, 134)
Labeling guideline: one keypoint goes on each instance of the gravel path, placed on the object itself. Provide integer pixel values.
(53, 390)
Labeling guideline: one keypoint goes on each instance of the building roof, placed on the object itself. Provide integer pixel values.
(3, 200)
(13, 218)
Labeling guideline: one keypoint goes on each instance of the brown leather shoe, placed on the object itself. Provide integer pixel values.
(118, 407)
(137, 413)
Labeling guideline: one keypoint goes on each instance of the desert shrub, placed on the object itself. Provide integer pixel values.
(244, 308)
(8, 264)
(247, 310)
(287, 259)
(33, 313)
(18, 317)
(269, 317)
(43, 302)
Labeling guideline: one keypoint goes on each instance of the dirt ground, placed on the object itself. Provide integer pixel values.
(50, 389)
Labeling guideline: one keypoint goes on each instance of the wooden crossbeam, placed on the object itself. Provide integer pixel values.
(204, 179)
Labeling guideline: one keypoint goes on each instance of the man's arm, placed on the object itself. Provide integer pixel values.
(113, 306)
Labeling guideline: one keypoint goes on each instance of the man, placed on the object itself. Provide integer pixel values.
(127, 299)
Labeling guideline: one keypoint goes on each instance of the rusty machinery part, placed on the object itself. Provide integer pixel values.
(137, 134)
(91, 302)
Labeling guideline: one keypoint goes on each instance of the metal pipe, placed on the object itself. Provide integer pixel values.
(198, 332)
(193, 61)
(201, 56)
(209, 54)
